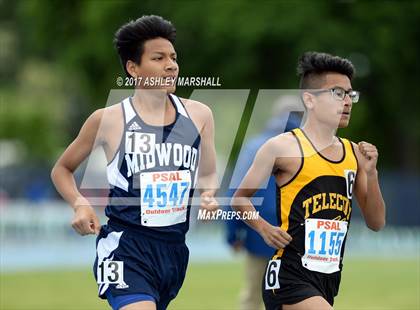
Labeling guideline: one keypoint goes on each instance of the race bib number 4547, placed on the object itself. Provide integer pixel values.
(323, 243)
(164, 197)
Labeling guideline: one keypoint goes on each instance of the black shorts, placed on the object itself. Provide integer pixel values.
(149, 266)
(296, 283)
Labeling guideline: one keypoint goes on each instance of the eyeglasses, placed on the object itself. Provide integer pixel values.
(340, 93)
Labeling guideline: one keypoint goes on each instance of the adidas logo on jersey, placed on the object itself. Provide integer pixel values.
(134, 126)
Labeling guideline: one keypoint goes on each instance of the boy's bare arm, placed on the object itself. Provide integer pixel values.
(85, 220)
(261, 169)
(367, 190)
(207, 172)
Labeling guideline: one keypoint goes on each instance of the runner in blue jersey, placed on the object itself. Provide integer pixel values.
(159, 148)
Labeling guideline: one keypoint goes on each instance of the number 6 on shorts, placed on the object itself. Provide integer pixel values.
(272, 274)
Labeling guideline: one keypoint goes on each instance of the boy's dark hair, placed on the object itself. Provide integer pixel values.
(130, 38)
(313, 65)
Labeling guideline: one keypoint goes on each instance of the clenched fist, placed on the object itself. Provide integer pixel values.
(275, 236)
(208, 202)
(370, 154)
(85, 221)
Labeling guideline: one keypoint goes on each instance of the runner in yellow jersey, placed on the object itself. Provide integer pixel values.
(317, 173)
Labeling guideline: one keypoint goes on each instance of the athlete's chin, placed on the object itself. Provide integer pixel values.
(170, 89)
(167, 89)
(343, 123)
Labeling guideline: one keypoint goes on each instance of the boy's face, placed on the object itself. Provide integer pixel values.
(158, 68)
(327, 108)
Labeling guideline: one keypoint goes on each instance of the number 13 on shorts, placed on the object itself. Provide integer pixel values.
(111, 272)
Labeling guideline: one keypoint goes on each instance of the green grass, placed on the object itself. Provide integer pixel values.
(380, 284)
(366, 284)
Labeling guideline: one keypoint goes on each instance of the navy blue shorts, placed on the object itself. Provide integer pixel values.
(131, 264)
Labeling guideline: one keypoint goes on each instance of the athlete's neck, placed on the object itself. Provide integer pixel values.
(320, 135)
(151, 100)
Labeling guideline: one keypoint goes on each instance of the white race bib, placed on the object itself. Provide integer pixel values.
(164, 197)
(323, 243)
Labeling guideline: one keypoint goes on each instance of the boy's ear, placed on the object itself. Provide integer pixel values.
(131, 68)
(308, 100)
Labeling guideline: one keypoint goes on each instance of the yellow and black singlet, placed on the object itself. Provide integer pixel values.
(315, 207)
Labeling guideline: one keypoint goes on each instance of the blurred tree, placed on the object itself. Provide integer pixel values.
(247, 45)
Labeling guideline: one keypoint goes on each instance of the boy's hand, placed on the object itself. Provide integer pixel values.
(85, 221)
(275, 236)
(370, 153)
(208, 202)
